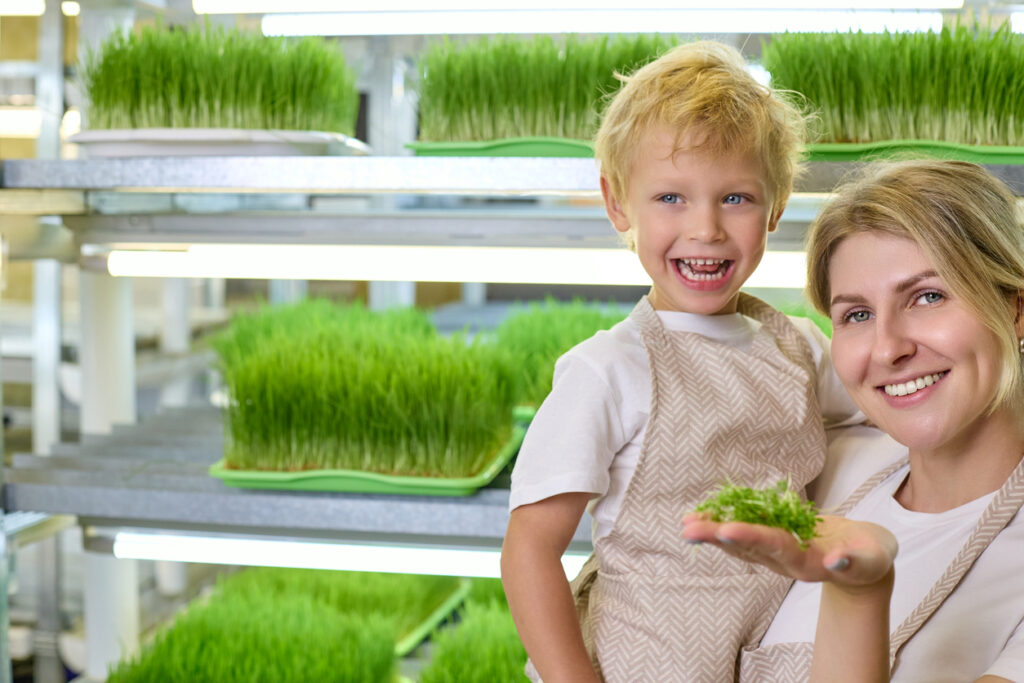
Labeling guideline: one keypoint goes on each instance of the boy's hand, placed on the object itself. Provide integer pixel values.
(844, 552)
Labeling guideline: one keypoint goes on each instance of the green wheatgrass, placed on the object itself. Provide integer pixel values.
(213, 77)
(964, 84)
(777, 506)
(319, 386)
(289, 639)
(500, 87)
(483, 647)
(268, 624)
(539, 333)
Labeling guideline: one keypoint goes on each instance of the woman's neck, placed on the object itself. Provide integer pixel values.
(956, 473)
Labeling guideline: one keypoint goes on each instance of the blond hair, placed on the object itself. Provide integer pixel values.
(703, 91)
(963, 219)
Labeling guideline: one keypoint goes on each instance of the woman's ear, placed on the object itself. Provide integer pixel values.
(612, 207)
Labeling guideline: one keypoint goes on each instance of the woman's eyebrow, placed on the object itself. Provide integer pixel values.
(904, 285)
(901, 286)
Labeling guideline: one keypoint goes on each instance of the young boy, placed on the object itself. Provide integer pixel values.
(699, 386)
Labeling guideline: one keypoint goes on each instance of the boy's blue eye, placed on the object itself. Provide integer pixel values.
(732, 199)
(669, 199)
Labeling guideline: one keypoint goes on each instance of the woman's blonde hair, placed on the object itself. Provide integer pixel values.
(963, 219)
(704, 89)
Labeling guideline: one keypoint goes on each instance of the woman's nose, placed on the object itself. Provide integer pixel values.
(893, 343)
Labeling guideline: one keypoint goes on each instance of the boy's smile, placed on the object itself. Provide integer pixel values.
(700, 222)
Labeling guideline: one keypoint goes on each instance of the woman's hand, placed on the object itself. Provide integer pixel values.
(844, 552)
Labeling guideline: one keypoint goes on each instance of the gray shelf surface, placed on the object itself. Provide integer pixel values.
(340, 175)
(154, 474)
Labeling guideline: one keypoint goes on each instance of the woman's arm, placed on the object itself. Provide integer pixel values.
(538, 591)
(853, 559)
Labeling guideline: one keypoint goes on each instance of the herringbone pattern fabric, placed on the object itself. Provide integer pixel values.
(791, 662)
(661, 611)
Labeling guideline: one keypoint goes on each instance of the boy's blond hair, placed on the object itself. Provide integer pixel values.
(704, 89)
(964, 220)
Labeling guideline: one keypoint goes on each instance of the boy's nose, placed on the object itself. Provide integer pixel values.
(703, 226)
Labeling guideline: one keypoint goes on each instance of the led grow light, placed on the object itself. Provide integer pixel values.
(595, 21)
(420, 264)
(22, 8)
(290, 6)
(1017, 22)
(261, 552)
(20, 122)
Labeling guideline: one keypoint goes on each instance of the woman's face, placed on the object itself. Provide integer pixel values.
(919, 363)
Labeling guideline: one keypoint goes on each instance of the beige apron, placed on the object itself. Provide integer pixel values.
(791, 662)
(650, 606)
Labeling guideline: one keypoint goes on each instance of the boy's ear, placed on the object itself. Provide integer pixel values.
(773, 222)
(612, 207)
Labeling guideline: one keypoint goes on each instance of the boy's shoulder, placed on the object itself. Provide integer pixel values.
(610, 352)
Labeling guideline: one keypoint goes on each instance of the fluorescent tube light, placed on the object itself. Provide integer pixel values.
(595, 21)
(20, 122)
(70, 8)
(22, 8)
(331, 6)
(1017, 22)
(260, 552)
(419, 264)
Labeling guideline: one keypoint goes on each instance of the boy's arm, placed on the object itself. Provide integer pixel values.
(538, 591)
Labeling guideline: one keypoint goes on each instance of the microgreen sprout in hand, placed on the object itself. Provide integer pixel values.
(778, 506)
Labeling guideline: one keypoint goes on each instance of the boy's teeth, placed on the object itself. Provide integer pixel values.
(686, 268)
(913, 385)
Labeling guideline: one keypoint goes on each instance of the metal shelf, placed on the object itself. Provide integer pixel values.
(153, 474)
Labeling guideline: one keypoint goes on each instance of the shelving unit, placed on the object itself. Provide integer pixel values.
(153, 474)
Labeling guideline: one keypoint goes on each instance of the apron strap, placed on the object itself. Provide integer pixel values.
(868, 486)
(997, 515)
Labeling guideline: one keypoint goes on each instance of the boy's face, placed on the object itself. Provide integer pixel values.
(700, 222)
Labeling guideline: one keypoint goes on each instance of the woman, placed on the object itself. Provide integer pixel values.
(920, 266)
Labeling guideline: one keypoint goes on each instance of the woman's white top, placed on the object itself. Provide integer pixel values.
(981, 622)
(587, 435)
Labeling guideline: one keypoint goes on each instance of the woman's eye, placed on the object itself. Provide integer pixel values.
(857, 316)
(733, 199)
(929, 298)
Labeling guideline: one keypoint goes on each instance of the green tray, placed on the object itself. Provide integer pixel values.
(357, 481)
(907, 149)
(427, 626)
(507, 147)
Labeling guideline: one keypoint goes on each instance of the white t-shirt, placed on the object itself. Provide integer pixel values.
(587, 435)
(979, 629)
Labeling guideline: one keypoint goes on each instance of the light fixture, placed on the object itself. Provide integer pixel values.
(363, 557)
(20, 122)
(70, 8)
(22, 8)
(424, 22)
(1017, 22)
(420, 264)
(331, 6)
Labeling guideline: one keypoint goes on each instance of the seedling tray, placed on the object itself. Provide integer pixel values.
(408, 643)
(507, 147)
(906, 149)
(358, 481)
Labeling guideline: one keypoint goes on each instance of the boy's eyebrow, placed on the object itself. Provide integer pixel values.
(901, 286)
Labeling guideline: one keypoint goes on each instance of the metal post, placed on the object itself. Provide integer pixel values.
(286, 291)
(107, 356)
(5, 652)
(46, 348)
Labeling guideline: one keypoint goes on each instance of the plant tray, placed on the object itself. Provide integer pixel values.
(907, 149)
(358, 481)
(136, 142)
(507, 147)
(408, 643)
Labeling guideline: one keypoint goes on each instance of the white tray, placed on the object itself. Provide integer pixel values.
(139, 142)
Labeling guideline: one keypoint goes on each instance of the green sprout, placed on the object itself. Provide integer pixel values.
(777, 506)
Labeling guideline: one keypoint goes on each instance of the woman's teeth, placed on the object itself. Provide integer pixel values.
(914, 385)
(702, 268)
